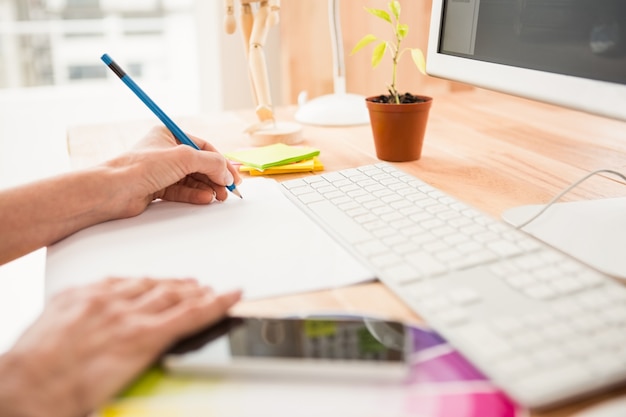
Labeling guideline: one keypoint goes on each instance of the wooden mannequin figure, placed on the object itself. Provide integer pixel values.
(255, 28)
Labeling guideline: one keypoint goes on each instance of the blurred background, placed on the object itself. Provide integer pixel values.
(50, 68)
(51, 77)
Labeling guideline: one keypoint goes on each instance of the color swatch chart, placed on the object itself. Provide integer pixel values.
(442, 383)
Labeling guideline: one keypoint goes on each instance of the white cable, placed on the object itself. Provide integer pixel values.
(567, 190)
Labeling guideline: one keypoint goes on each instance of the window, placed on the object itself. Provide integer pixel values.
(59, 42)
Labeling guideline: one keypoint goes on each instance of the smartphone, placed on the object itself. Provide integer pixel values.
(347, 347)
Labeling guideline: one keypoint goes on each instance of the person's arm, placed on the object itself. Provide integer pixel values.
(90, 342)
(41, 213)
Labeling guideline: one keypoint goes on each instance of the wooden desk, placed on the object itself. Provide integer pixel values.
(490, 150)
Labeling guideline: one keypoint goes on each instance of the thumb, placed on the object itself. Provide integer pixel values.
(213, 165)
(228, 177)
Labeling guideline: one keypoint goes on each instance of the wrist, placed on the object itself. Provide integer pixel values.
(121, 182)
(30, 386)
(92, 194)
(17, 398)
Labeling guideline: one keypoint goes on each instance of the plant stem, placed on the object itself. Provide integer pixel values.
(394, 70)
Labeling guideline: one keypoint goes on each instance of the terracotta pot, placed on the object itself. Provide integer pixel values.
(399, 129)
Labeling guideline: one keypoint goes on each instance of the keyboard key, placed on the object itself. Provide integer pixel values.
(308, 198)
(516, 366)
(545, 327)
(385, 260)
(464, 296)
(426, 263)
(453, 316)
(340, 222)
(482, 342)
(370, 248)
(401, 273)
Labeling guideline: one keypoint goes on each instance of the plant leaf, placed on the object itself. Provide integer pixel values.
(403, 30)
(379, 13)
(394, 6)
(378, 53)
(366, 40)
(418, 58)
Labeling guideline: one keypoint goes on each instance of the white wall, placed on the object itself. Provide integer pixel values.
(236, 89)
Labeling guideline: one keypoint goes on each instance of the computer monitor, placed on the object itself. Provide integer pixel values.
(566, 52)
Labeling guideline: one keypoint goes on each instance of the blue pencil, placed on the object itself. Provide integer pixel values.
(169, 123)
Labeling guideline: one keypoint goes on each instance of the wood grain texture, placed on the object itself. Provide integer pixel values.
(490, 150)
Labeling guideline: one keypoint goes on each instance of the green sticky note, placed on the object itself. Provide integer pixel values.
(272, 155)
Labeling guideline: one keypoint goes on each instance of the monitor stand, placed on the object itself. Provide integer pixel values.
(338, 109)
(592, 231)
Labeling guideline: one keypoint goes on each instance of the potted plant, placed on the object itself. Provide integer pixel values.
(398, 120)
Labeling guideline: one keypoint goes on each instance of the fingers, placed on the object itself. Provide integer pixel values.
(187, 194)
(235, 172)
(220, 192)
(129, 288)
(216, 168)
(230, 173)
(171, 310)
(114, 288)
(152, 296)
(207, 167)
(193, 315)
(200, 171)
(205, 146)
(168, 293)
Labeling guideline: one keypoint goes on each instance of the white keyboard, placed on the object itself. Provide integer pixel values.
(541, 325)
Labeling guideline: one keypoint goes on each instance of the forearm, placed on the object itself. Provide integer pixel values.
(13, 393)
(19, 396)
(44, 212)
(38, 214)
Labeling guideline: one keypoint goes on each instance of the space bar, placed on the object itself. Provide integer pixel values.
(339, 223)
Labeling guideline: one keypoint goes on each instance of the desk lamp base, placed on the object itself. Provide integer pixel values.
(339, 109)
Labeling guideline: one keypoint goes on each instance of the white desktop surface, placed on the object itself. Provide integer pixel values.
(593, 231)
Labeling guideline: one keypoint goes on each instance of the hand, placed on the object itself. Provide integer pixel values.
(91, 341)
(160, 168)
(46, 211)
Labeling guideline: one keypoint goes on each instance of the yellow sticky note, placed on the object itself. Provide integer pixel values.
(268, 156)
(303, 166)
(307, 164)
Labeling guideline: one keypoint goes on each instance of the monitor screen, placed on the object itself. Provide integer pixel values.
(566, 52)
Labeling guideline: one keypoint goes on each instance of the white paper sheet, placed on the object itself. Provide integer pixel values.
(262, 244)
